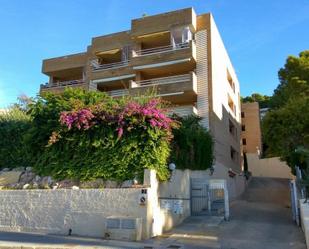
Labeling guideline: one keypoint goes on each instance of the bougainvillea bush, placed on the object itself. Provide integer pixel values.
(91, 135)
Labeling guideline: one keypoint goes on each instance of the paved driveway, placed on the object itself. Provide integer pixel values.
(260, 220)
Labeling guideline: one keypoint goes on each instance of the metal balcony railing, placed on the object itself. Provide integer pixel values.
(162, 49)
(183, 110)
(96, 66)
(162, 80)
(118, 93)
(63, 83)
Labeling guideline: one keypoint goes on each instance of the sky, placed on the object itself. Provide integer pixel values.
(258, 35)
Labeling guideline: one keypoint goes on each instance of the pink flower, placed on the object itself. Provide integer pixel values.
(120, 132)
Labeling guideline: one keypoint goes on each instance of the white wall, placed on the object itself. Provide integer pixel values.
(57, 211)
(304, 217)
(85, 210)
(220, 62)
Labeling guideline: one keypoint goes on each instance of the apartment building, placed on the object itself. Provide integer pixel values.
(251, 128)
(179, 54)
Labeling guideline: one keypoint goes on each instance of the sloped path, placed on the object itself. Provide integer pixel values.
(261, 219)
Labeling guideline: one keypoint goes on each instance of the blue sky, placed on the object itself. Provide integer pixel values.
(258, 35)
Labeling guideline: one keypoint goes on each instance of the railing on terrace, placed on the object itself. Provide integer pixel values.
(118, 93)
(162, 49)
(96, 66)
(62, 83)
(183, 110)
(162, 80)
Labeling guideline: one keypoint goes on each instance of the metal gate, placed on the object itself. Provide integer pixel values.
(209, 197)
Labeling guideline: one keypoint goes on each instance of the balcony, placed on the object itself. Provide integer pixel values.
(177, 89)
(69, 62)
(178, 57)
(162, 80)
(59, 86)
(183, 111)
(96, 66)
(157, 23)
(118, 93)
(117, 69)
(162, 49)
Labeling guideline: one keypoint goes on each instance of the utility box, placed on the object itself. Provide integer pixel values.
(124, 228)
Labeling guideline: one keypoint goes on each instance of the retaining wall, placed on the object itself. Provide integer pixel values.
(268, 167)
(56, 211)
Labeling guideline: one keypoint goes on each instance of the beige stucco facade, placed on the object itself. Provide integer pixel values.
(179, 54)
(251, 128)
(268, 167)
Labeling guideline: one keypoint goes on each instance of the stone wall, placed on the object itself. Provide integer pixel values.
(56, 211)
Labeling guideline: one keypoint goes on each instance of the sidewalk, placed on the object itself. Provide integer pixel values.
(14, 240)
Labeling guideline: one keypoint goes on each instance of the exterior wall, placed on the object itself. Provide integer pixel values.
(304, 216)
(64, 62)
(57, 211)
(220, 111)
(235, 185)
(202, 77)
(163, 22)
(251, 122)
(268, 167)
(175, 190)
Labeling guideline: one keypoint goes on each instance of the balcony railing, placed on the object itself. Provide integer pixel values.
(118, 93)
(162, 80)
(96, 66)
(162, 49)
(63, 83)
(183, 110)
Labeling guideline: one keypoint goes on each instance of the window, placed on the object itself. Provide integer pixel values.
(242, 114)
(243, 127)
(244, 141)
(231, 104)
(232, 128)
(233, 154)
(230, 80)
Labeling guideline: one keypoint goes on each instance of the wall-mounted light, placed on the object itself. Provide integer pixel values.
(172, 166)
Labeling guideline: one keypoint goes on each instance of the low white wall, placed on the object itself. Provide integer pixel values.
(85, 210)
(304, 217)
(268, 167)
(56, 211)
(174, 198)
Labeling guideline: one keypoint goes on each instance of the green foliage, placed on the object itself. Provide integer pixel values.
(97, 152)
(192, 145)
(87, 135)
(263, 100)
(46, 111)
(14, 151)
(286, 126)
(294, 80)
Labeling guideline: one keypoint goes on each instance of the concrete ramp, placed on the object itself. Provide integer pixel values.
(268, 190)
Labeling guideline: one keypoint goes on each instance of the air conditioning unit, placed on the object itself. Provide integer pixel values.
(123, 228)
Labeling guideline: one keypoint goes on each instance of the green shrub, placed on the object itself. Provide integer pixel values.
(87, 135)
(14, 151)
(192, 146)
